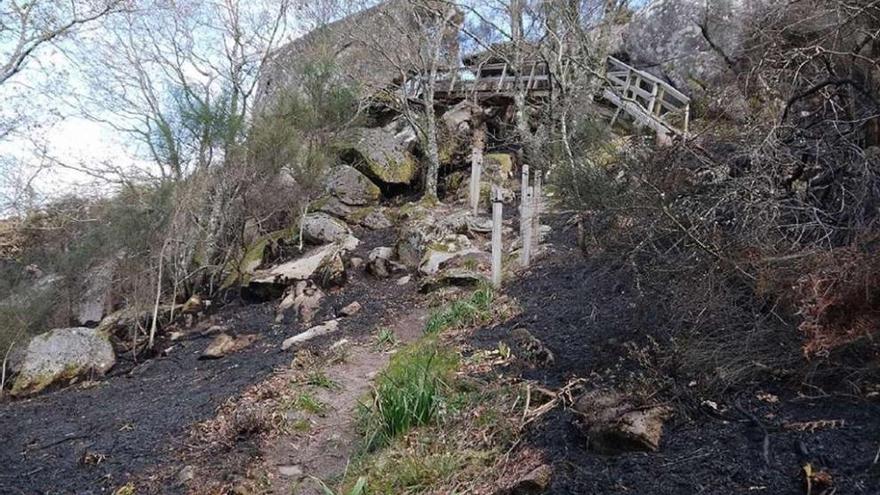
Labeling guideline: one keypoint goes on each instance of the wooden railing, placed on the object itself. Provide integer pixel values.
(649, 100)
(493, 79)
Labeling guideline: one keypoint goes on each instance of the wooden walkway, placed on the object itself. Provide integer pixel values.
(494, 80)
(649, 101)
(645, 99)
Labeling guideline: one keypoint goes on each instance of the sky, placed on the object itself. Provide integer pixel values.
(62, 133)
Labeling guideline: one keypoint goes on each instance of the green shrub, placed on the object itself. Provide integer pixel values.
(410, 392)
(471, 311)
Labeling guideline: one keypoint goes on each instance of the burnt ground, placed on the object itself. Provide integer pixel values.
(585, 311)
(92, 440)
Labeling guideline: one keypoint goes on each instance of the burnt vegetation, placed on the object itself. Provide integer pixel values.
(760, 233)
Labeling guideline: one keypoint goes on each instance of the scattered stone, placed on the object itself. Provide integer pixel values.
(352, 187)
(294, 471)
(63, 354)
(321, 228)
(404, 280)
(317, 331)
(224, 344)
(304, 298)
(537, 481)
(339, 345)
(380, 265)
(355, 263)
(615, 425)
(175, 336)
(351, 310)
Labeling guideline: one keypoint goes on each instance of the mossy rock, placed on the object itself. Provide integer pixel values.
(239, 272)
(383, 154)
(61, 355)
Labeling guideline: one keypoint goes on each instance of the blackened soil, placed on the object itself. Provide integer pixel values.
(585, 311)
(89, 441)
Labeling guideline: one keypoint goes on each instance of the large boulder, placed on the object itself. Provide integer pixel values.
(321, 228)
(63, 354)
(351, 187)
(692, 43)
(324, 265)
(385, 154)
(355, 45)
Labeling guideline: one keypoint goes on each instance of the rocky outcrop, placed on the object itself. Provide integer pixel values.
(321, 228)
(368, 49)
(370, 217)
(384, 154)
(424, 225)
(456, 131)
(615, 425)
(60, 355)
(691, 43)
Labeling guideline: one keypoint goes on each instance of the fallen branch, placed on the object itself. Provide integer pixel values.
(562, 396)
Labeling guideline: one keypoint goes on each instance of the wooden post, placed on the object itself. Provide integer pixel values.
(523, 189)
(496, 236)
(526, 228)
(479, 143)
(536, 213)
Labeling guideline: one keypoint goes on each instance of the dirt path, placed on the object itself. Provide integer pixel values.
(135, 422)
(295, 460)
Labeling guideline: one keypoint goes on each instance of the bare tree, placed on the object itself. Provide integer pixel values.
(27, 26)
(429, 29)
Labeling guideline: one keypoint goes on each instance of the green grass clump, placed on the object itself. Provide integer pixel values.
(385, 337)
(320, 379)
(410, 392)
(467, 312)
(308, 403)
